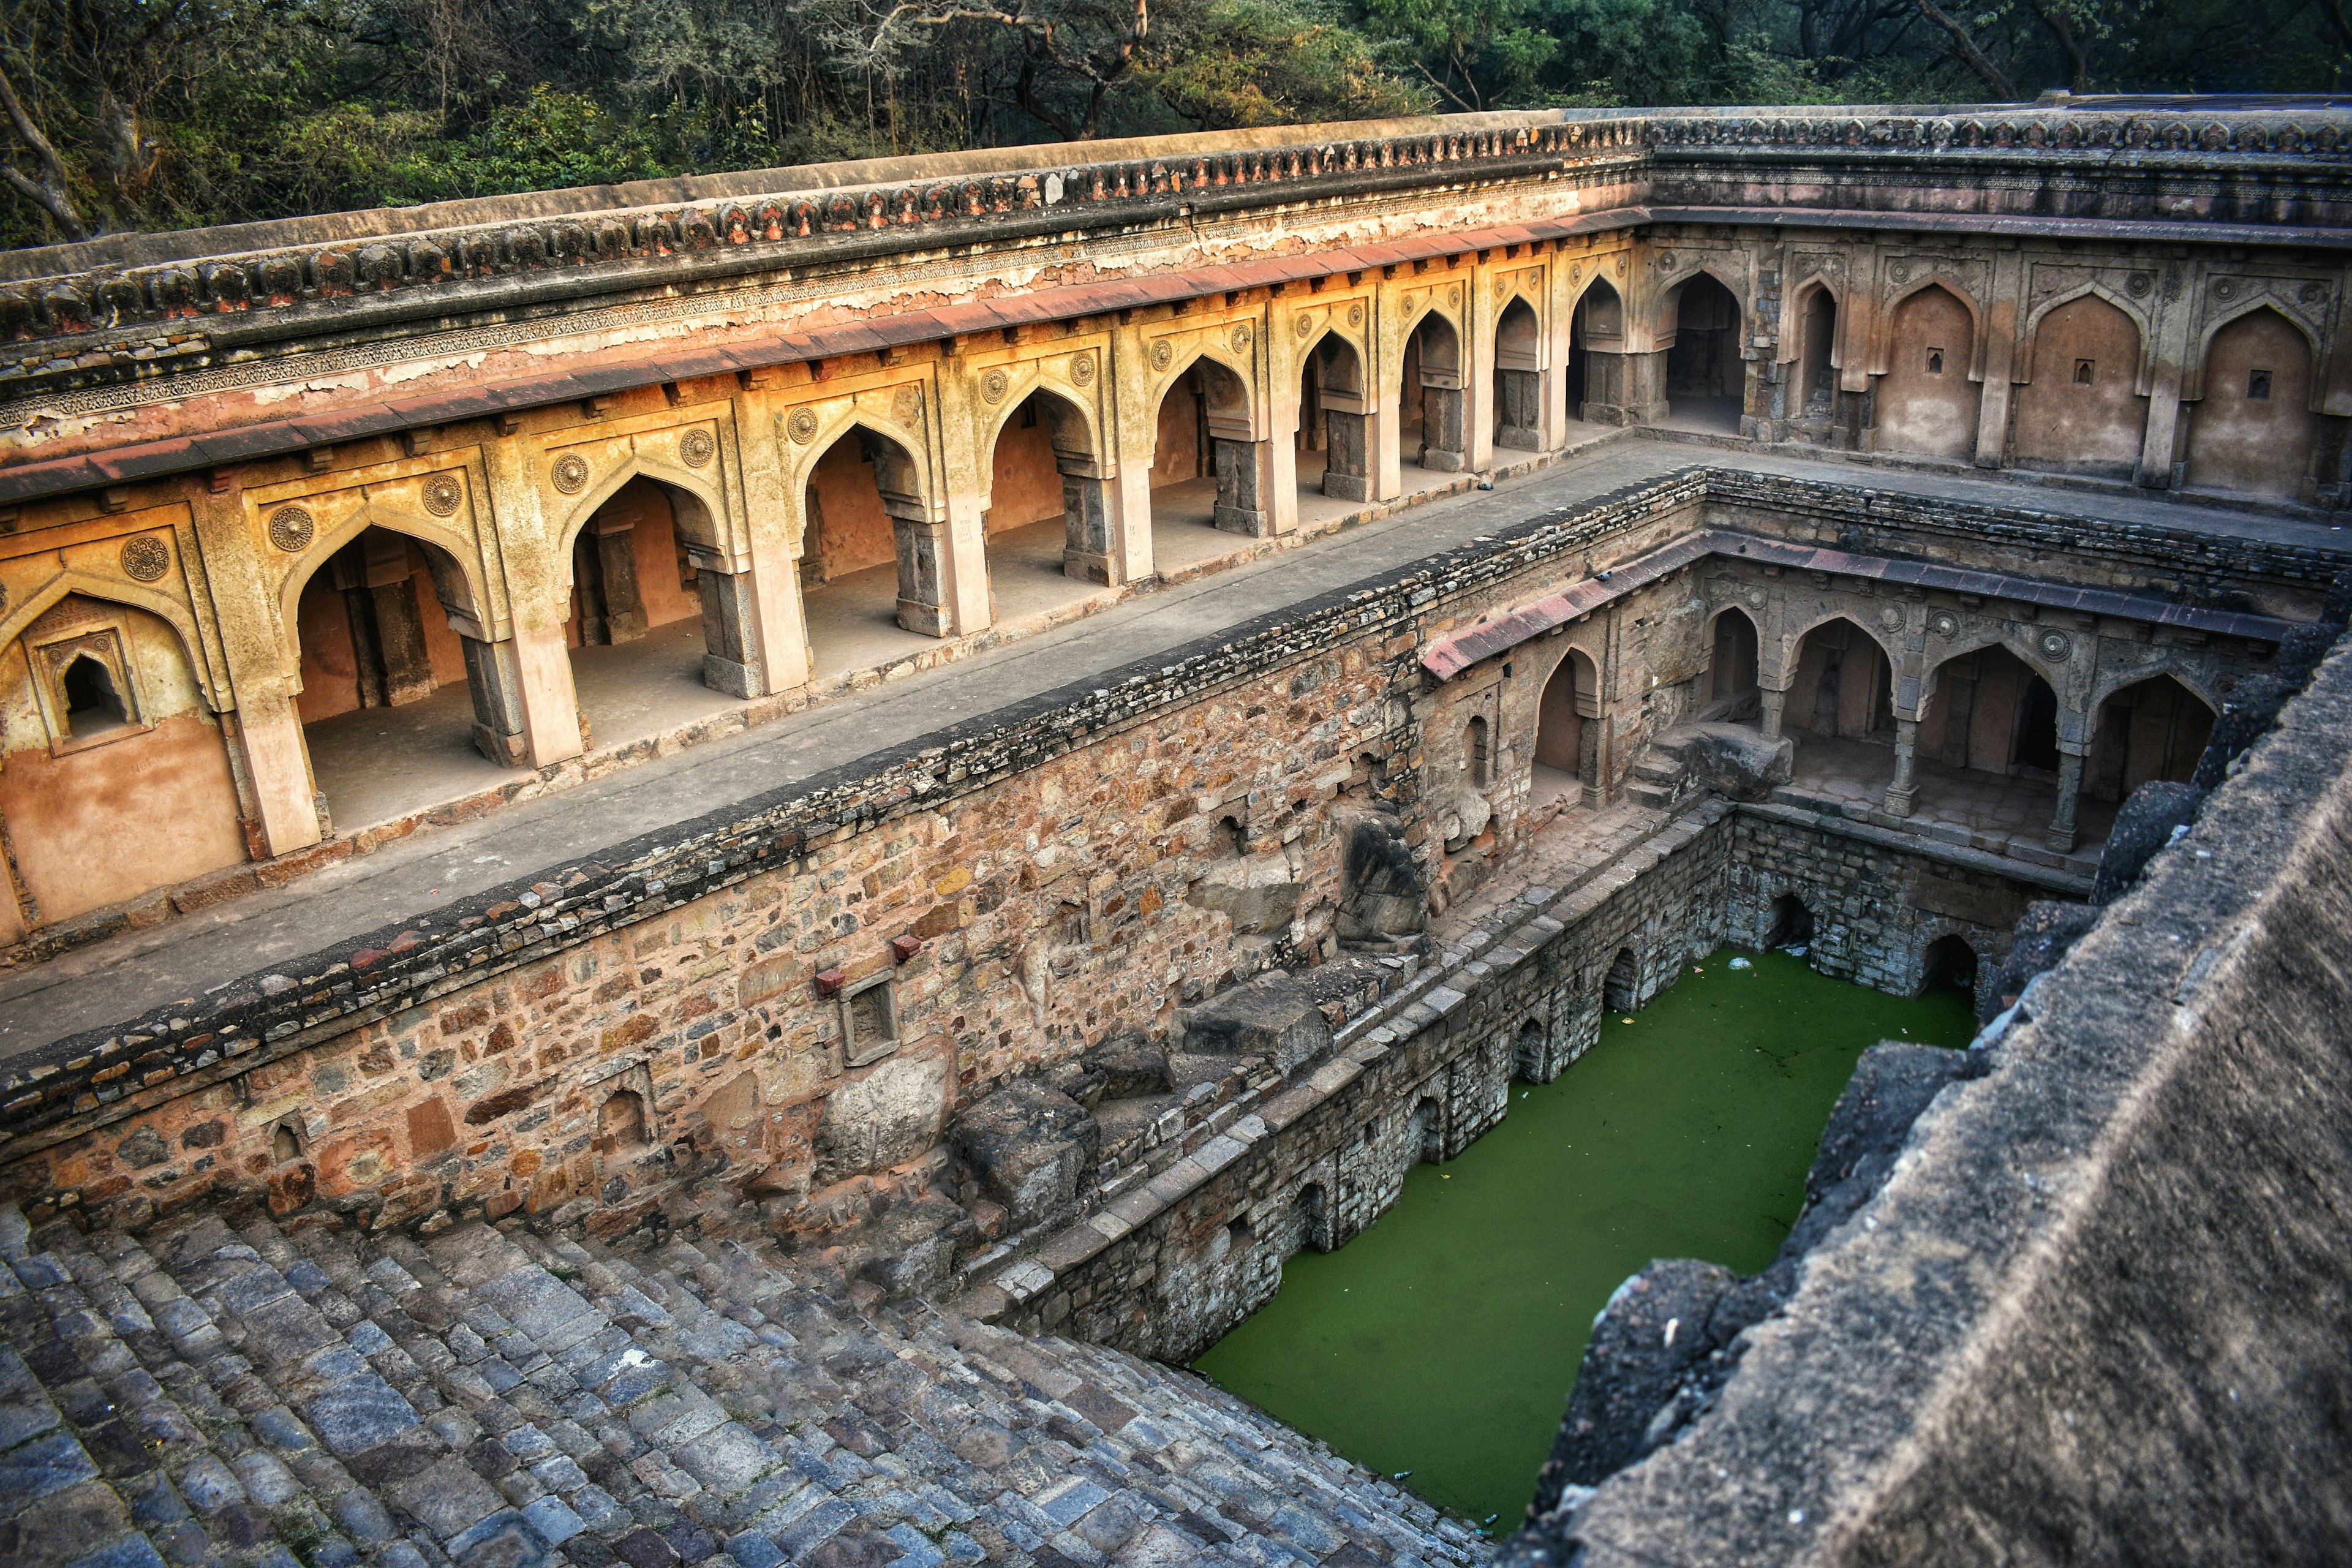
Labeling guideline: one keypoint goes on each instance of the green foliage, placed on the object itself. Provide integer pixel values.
(1253, 63)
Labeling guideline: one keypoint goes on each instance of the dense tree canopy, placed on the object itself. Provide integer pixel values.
(161, 113)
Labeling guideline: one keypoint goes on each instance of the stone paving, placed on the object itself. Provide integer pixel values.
(487, 1400)
(2000, 816)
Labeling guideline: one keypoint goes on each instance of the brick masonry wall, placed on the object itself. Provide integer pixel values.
(653, 1028)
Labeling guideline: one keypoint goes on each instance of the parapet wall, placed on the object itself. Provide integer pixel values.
(2101, 1303)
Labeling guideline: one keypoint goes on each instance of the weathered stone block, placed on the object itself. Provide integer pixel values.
(1030, 1145)
(1272, 1017)
(889, 1115)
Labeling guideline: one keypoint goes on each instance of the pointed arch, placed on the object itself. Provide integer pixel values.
(1798, 297)
(2229, 316)
(2024, 650)
(1833, 693)
(1565, 758)
(1072, 424)
(1669, 296)
(2082, 404)
(2198, 682)
(1929, 400)
(454, 559)
(2254, 429)
(1789, 640)
(2153, 728)
(1244, 411)
(2030, 334)
(705, 523)
(1736, 652)
(22, 613)
(1883, 347)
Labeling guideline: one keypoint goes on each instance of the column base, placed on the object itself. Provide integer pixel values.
(1347, 487)
(931, 620)
(1519, 439)
(1242, 519)
(2060, 839)
(505, 751)
(1085, 566)
(1443, 462)
(1898, 800)
(736, 679)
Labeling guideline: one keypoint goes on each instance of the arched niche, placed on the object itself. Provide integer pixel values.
(115, 775)
(1596, 352)
(1518, 377)
(1814, 351)
(1985, 709)
(1209, 455)
(1843, 687)
(1565, 765)
(1699, 328)
(2254, 430)
(1732, 665)
(1336, 411)
(2081, 409)
(2152, 730)
(867, 523)
(1050, 508)
(1927, 401)
(1430, 402)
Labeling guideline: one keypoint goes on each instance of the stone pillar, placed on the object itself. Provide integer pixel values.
(550, 707)
(2070, 785)
(2000, 358)
(284, 801)
(349, 573)
(1089, 520)
(1625, 388)
(1244, 486)
(1132, 533)
(614, 540)
(1771, 702)
(730, 631)
(399, 625)
(495, 680)
(1349, 440)
(1442, 446)
(1522, 410)
(922, 606)
(1900, 792)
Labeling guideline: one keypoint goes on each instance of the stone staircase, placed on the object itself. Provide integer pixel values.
(1661, 778)
(493, 1399)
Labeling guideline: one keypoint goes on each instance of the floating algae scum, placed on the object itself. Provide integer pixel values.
(1443, 1339)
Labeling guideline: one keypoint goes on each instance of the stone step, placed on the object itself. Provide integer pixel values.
(491, 1398)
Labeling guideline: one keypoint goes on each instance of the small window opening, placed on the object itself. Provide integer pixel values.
(1229, 839)
(1475, 753)
(1071, 926)
(1935, 362)
(92, 705)
(2258, 387)
(621, 1121)
(1240, 1233)
(2085, 372)
(284, 1147)
(870, 1024)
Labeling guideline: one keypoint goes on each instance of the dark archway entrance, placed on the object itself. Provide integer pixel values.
(1334, 439)
(1567, 741)
(1430, 403)
(1704, 375)
(1519, 379)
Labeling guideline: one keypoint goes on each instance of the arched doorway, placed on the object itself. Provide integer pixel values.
(1047, 527)
(659, 633)
(2081, 411)
(1950, 964)
(1989, 711)
(1596, 341)
(2153, 728)
(1430, 404)
(869, 566)
(2253, 431)
(1620, 990)
(1816, 389)
(1926, 402)
(1788, 924)
(1333, 445)
(399, 707)
(1732, 691)
(1842, 688)
(1567, 734)
(1704, 376)
(1208, 473)
(1519, 379)
(117, 778)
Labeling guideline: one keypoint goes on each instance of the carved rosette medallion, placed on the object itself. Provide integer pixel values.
(2312, 294)
(290, 529)
(2139, 284)
(697, 448)
(444, 493)
(570, 473)
(802, 425)
(1944, 623)
(995, 384)
(144, 559)
(2054, 645)
(1453, 295)
(1900, 271)
(1082, 369)
(1241, 339)
(1305, 323)
(1891, 619)
(1161, 355)
(1355, 315)
(1755, 598)
(2227, 288)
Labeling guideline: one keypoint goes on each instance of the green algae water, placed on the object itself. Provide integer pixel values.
(1442, 1341)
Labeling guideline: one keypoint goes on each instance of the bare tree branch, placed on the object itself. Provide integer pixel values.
(2077, 57)
(2004, 89)
(48, 192)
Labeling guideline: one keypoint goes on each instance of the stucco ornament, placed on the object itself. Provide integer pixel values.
(995, 384)
(443, 494)
(1756, 597)
(1305, 323)
(697, 448)
(1891, 619)
(1944, 623)
(1241, 339)
(290, 529)
(1161, 355)
(2227, 288)
(802, 425)
(145, 558)
(1082, 369)
(571, 473)
(2053, 645)
(2139, 284)
(1355, 315)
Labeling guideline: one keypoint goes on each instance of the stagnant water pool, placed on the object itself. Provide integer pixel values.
(1442, 1341)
